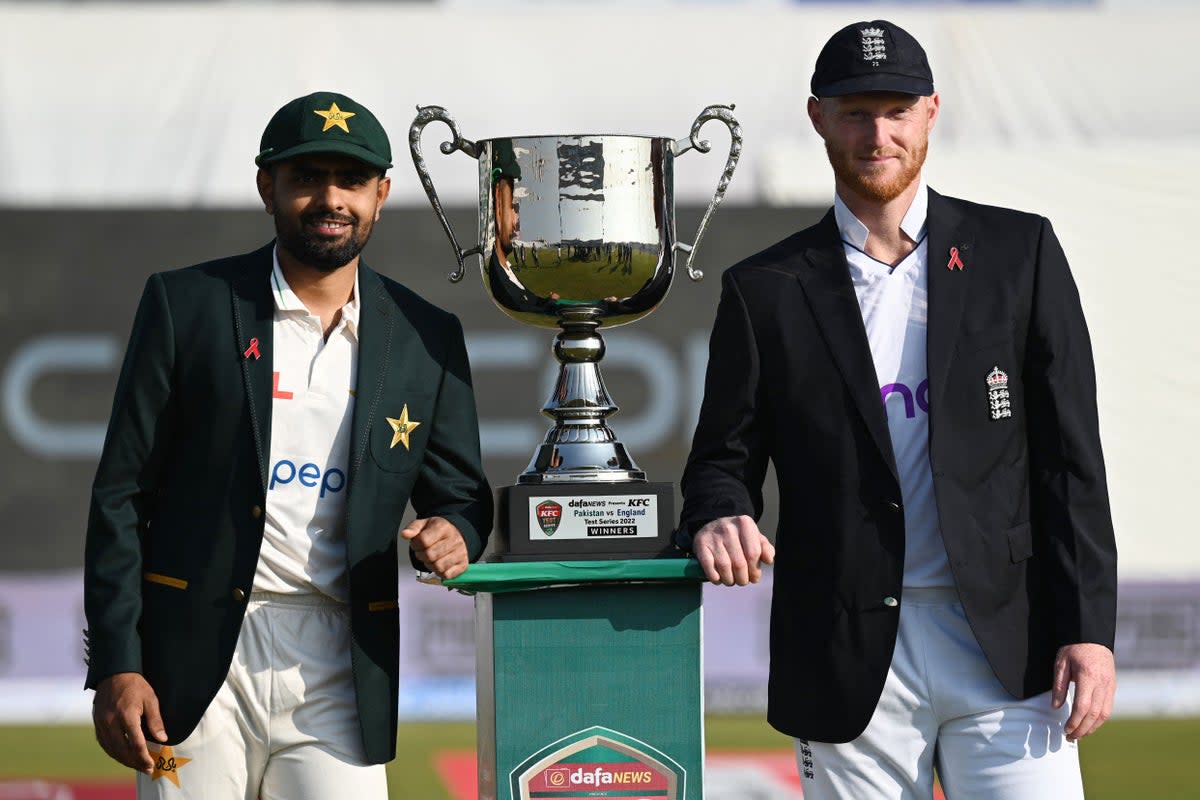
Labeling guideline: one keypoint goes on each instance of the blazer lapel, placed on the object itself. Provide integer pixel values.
(376, 351)
(951, 240)
(835, 306)
(253, 315)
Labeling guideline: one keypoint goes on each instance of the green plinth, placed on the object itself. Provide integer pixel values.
(589, 679)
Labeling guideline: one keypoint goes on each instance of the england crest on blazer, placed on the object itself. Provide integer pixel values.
(999, 402)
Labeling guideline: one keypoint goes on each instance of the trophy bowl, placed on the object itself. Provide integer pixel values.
(577, 232)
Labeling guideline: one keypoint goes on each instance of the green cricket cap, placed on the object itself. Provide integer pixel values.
(325, 122)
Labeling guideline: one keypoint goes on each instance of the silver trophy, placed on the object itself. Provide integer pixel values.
(575, 233)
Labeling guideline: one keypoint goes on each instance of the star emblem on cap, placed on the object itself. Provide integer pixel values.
(167, 764)
(402, 428)
(334, 117)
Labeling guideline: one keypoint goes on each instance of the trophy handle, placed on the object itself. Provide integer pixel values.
(426, 115)
(724, 114)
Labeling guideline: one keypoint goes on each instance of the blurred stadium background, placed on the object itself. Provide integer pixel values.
(127, 131)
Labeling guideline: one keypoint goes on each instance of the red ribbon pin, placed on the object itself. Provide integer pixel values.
(955, 261)
(252, 350)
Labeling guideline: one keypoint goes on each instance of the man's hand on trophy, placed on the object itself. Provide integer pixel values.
(439, 546)
(732, 550)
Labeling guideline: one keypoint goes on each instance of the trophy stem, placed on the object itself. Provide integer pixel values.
(580, 446)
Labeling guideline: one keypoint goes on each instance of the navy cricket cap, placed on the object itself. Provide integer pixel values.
(876, 56)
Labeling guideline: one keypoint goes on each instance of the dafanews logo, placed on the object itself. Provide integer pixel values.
(612, 774)
(599, 763)
(549, 515)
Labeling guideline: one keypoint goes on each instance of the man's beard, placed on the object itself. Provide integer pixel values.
(320, 252)
(868, 187)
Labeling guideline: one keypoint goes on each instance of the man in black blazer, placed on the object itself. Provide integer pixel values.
(919, 372)
(275, 414)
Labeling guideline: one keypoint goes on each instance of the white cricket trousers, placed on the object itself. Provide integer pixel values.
(943, 706)
(284, 725)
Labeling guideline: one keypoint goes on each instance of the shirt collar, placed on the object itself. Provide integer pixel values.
(286, 300)
(854, 233)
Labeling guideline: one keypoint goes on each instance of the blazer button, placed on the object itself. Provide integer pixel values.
(238, 594)
(890, 601)
(256, 512)
(893, 506)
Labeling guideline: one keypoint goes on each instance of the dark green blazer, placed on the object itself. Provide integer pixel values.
(182, 481)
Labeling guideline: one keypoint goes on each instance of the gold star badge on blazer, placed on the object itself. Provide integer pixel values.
(402, 428)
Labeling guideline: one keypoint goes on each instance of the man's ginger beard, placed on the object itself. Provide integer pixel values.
(874, 188)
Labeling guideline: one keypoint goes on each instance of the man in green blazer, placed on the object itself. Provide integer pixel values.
(276, 413)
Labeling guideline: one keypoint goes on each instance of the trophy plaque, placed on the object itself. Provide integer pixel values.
(577, 233)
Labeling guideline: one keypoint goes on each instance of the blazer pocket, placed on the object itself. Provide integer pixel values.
(383, 605)
(165, 580)
(1020, 542)
(401, 429)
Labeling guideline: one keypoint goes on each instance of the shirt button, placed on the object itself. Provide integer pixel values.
(890, 601)
(239, 595)
(256, 512)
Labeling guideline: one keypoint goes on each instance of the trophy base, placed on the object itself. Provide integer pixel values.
(585, 521)
(603, 460)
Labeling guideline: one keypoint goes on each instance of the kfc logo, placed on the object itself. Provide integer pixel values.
(549, 515)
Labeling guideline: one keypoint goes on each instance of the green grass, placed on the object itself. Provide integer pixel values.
(1148, 759)
(1144, 759)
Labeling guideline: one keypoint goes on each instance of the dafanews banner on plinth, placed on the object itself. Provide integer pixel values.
(589, 680)
(596, 763)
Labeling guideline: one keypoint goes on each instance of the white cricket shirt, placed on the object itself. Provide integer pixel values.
(895, 309)
(312, 408)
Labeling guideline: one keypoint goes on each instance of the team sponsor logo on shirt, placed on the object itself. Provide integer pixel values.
(309, 475)
(914, 399)
(276, 392)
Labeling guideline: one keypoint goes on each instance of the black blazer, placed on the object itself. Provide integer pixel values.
(1022, 501)
(176, 516)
